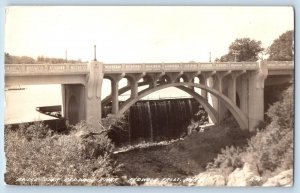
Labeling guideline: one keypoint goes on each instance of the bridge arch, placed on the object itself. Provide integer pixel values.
(241, 119)
(213, 114)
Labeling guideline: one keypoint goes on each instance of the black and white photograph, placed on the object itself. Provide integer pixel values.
(149, 96)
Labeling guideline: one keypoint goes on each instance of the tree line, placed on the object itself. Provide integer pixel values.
(11, 59)
(246, 49)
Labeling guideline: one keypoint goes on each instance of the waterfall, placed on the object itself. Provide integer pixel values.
(157, 120)
(150, 118)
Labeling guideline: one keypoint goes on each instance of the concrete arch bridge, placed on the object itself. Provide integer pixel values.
(237, 87)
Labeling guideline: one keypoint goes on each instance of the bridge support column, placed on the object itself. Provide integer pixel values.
(133, 80)
(212, 100)
(115, 95)
(115, 92)
(220, 83)
(232, 89)
(256, 96)
(190, 77)
(232, 85)
(134, 89)
(93, 94)
(206, 80)
(243, 91)
(154, 78)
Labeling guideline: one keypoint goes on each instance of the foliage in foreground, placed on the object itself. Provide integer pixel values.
(34, 156)
(271, 149)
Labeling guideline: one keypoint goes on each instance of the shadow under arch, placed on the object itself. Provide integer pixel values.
(73, 111)
(235, 111)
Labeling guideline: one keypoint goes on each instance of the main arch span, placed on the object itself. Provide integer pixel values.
(212, 113)
(236, 112)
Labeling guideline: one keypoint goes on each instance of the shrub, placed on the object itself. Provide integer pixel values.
(82, 154)
(281, 113)
(230, 157)
(271, 149)
(117, 129)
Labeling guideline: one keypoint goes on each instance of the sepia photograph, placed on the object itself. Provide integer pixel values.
(149, 96)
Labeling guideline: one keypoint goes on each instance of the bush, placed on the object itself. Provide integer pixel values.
(271, 149)
(117, 129)
(229, 158)
(82, 154)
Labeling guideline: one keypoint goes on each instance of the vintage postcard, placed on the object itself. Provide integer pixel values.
(149, 96)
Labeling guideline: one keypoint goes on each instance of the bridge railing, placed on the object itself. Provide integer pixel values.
(45, 68)
(169, 67)
(142, 67)
(280, 65)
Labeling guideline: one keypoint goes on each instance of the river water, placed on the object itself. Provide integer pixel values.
(20, 105)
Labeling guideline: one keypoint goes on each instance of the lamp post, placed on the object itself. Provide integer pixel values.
(66, 56)
(95, 59)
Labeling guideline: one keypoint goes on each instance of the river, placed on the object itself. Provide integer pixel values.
(20, 105)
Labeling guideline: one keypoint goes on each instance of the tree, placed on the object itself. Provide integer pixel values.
(282, 48)
(246, 48)
(10, 59)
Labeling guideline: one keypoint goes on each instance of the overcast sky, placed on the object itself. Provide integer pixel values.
(140, 34)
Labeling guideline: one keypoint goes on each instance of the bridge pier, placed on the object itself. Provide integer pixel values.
(115, 92)
(203, 81)
(256, 96)
(242, 90)
(232, 88)
(73, 102)
(93, 96)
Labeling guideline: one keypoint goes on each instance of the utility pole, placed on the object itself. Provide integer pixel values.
(235, 53)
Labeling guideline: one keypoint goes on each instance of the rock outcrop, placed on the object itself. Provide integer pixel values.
(284, 178)
(210, 178)
(246, 176)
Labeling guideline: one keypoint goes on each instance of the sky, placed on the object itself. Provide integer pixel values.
(140, 34)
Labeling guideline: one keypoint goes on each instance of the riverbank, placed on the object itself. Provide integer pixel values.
(182, 159)
(83, 153)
